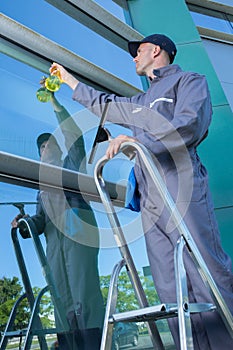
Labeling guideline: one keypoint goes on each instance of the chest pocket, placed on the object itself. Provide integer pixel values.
(169, 100)
(165, 106)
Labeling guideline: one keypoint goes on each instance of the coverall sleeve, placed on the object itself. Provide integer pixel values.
(39, 217)
(189, 123)
(119, 112)
(73, 137)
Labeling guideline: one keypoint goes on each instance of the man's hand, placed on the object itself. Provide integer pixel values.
(115, 144)
(23, 230)
(65, 77)
(14, 223)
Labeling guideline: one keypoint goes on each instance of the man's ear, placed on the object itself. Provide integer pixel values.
(157, 50)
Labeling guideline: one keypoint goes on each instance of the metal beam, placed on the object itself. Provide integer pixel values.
(95, 17)
(25, 172)
(36, 50)
(212, 5)
(211, 34)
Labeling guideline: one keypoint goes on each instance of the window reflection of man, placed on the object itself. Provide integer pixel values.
(72, 241)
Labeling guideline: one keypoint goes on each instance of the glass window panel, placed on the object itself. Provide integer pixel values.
(219, 54)
(112, 7)
(230, 19)
(11, 195)
(23, 118)
(219, 24)
(225, 2)
(21, 121)
(212, 19)
(76, 37)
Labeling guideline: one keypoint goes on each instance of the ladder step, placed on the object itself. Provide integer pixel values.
(201, 307)
(17, 333)
(23, 332)
(157, 312)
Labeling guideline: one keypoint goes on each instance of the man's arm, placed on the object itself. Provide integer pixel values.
(119, 111)
(73, 136)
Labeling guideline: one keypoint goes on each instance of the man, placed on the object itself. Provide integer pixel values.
(72, 240)
(171, 119)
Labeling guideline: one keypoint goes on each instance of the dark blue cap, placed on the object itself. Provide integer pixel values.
(157, 39)
(45, 137)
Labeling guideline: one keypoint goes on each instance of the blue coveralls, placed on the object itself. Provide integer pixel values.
(72, 238)
(171, 119)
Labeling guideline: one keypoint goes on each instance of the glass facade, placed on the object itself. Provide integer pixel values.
(220, 47)
(23, 118)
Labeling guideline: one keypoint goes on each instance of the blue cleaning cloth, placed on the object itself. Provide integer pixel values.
(132, 198)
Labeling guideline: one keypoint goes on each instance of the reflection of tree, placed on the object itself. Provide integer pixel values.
(126, 297)
(46, 309)
(10, 291)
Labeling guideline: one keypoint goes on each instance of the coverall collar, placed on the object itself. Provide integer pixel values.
(166, 70)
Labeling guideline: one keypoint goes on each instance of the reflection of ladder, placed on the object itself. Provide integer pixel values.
(34, 327)
(182, 309)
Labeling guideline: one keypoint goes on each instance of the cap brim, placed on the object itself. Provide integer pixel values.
(133, 47)
(42, 138)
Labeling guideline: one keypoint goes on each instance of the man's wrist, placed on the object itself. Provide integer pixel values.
(72, 82)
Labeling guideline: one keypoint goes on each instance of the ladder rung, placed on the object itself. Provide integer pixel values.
(157, 312)
(148, 313)
(22, 332)
(17, 333)
(201, 307)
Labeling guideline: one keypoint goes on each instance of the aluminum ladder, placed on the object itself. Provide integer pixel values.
(183, 308)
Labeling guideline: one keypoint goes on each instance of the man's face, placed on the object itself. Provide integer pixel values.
(145, 58)
(50, 152)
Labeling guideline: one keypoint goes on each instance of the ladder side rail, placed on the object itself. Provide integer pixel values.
(10, 323)
(146, 157)
(185, 328)
(22, 268)
(47, 272)
(31, 330)
(26, 280)
(124, 250)
(106, 341)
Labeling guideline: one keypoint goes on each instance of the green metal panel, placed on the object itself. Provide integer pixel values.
(224, 218)
(216, 152)
(172, 17)
(193, 57)
(169, 17)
